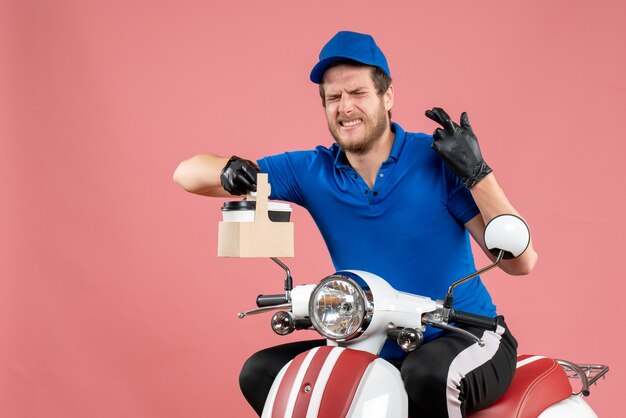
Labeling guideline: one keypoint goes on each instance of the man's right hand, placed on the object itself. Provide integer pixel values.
(239, 176)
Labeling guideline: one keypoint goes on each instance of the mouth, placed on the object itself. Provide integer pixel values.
(350, 123)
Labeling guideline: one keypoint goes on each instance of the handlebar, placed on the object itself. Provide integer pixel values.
(267, 303)
(271, 300)
(466, 318)
(303, 323)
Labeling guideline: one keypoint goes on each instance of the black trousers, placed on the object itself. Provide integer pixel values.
(443, 378)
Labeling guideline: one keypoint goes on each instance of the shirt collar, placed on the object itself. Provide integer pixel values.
(398, 142)
(341, 161)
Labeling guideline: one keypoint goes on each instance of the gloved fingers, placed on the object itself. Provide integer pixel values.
(438, 134)
(249, 171)
(248, 176)
(238, 177)
(442, 114)
(438, 115)
(431, 115)
(465, 122)
(449, 126)
(244, 183)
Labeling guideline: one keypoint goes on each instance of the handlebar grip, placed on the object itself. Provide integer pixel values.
(303, 323)
(479, 321)
(270, 300)
(393, 333)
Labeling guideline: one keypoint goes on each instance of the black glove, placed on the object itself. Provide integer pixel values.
(239, 176)
(458, 147)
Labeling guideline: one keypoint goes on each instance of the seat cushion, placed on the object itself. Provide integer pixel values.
(538, 383)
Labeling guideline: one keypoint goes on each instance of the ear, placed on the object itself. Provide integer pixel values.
(388, 98)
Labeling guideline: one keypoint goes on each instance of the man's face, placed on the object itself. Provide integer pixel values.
(356, 115)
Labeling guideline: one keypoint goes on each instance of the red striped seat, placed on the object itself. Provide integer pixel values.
(538, 383)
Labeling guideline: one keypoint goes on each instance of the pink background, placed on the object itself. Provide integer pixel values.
(112, 301)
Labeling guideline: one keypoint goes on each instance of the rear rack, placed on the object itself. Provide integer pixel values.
(588, 374)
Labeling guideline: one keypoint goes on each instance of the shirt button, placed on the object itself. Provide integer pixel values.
(366, 191)
(381, 175)
(375, 193)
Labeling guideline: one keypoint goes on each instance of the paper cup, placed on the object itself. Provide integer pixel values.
(243, 211)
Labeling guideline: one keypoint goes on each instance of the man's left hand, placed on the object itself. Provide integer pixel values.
(458, 147)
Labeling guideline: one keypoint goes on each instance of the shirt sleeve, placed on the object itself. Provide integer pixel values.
(286, 173)
(460, 201)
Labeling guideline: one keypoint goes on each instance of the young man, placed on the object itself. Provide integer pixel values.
(397, 204)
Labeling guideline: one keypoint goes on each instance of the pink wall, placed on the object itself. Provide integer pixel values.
(112, 301)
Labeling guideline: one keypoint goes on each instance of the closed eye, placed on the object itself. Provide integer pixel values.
(360, 92)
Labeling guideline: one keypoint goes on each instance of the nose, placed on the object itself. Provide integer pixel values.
(345, 104)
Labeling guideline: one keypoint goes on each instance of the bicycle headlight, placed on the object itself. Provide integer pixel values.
(341, 307)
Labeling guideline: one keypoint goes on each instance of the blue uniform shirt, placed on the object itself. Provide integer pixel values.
(408, 229)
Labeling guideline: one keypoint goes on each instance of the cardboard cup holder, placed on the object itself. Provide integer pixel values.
(259, 238)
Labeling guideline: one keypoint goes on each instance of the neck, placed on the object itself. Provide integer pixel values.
(368, 164)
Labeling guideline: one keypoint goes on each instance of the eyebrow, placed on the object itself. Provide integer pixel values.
(349, 91)
(337, 93)
(358, 89)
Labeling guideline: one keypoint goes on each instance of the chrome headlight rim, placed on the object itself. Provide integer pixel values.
(364, 292)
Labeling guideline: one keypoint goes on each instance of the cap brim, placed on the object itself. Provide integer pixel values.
(317, 74)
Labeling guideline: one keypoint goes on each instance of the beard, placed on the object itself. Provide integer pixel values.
(373, 132)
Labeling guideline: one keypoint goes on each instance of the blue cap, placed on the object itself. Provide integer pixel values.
(353, 46)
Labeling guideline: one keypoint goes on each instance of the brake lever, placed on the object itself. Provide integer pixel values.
(452, 328)
(255, 311)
